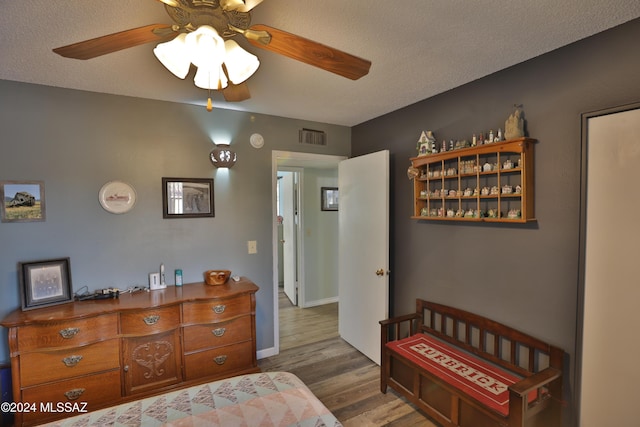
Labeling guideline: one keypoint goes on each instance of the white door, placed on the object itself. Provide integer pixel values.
(289, 236)
(363, 249)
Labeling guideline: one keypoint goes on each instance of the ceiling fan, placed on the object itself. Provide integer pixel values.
(228, 18)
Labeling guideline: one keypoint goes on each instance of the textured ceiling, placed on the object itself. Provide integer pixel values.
(418, 48)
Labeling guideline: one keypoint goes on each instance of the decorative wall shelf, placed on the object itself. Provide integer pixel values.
(490, 183)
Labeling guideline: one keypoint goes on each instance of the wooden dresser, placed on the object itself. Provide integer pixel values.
(105, 352)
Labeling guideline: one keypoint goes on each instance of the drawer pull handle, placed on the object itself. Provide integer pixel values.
(69, 333)
(219, 309)
(151, 320)
(220, 359)
(71, 361)
(74, 394)
(219, 332)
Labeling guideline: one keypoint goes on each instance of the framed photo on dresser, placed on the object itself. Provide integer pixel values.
(44, 283)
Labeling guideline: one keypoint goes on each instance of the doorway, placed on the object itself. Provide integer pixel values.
(310, 261)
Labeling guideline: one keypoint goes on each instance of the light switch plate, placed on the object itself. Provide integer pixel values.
(252, 246)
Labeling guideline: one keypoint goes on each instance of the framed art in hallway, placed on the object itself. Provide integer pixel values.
(329, 198)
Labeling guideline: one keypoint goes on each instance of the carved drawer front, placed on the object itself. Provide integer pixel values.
(41, 367)
(145, 322)
(199, 337)
(216, 310)
(97, 390)
(67, 333)
(220, 361)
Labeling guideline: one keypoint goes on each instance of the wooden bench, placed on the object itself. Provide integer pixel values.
(424, 355)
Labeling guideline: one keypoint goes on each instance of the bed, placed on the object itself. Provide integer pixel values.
(262, 399)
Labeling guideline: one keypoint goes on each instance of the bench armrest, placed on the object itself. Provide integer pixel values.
(535, 381)
(399, 319)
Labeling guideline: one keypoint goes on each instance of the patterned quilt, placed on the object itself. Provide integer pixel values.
(256, 400)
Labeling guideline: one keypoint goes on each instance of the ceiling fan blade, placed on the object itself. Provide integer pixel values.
(236, 93)
(118, 41)
(308, 51)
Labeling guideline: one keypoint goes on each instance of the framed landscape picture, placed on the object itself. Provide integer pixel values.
(22, 201)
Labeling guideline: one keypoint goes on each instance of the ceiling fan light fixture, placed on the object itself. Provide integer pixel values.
(173, 55)
(210, 78)
(205, 47)
(240, 64)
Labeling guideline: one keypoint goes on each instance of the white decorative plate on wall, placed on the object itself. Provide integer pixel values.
(117, 197)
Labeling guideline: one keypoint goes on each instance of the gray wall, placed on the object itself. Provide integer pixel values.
(76, 141)
(523, 275)
(320, 240)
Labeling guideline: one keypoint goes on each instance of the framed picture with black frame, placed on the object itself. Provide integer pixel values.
(329, 198)
(45, 283)
(187, 198)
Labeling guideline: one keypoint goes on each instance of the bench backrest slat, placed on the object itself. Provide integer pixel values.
(488, 339)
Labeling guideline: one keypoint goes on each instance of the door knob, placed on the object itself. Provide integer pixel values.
(380, 272)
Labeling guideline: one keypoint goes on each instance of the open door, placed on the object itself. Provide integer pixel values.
(289, 257)
(363, 249)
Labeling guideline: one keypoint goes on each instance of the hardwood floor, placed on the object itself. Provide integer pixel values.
(346, 381)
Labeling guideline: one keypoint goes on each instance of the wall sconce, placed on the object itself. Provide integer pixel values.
(223, 156)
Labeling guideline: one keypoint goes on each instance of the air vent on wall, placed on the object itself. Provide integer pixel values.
(313, 137)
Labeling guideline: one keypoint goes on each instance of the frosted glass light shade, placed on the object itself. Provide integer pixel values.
(174, 56)
(208, 78)
(240, 64)
(206, 47)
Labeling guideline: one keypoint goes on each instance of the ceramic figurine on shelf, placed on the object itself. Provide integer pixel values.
(491, 136)
(474, 140)
(443, 147)
(514, 126)
(450, 213)
(518, 189)
(514, 214)
(424, 145)
(459, 213)
(500, 137)
(424, 212)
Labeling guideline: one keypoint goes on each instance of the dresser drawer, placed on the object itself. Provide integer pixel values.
(96, 390)
(145, 322)
(41, 367)
(220, 361)
(216, 310)
(199, 337)
(69, 333)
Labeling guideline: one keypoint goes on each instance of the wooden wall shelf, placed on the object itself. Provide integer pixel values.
(487, 183)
